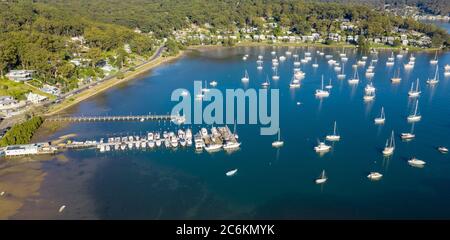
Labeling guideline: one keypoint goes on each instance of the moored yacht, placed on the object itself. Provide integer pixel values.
(213, 147)
(322, 147)
(369, 88)
(213, 83)
(322, 178)
(266, 83)
(278, 142)
(381, 119)
(321, 92)
(390, 146)
(355, 78)
(329, 86)
(442, 149)
(414, 117)
(435, 60)
(407, 136)
(231, 145)
(245, 78)
(231, 173)
(315, 64)
(414, 92)
(416, 162)
(334, 136)
(369, 97)
(396, 78)
(434, 80)
(275, 75)
(375, 176)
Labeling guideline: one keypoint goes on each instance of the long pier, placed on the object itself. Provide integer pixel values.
(116, 118)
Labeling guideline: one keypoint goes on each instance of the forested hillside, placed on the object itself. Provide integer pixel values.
(39, 34)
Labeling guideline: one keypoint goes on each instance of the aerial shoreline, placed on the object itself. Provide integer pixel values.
(74, 100)
(161, 60)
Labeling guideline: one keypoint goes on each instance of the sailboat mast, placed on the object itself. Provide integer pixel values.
(417, 104)
(322, 81)
(334, 131)
(417, 85)
(392, 140)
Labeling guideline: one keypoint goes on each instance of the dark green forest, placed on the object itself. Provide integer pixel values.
(21, 133)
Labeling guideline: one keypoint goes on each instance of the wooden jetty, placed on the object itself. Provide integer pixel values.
(114, 118)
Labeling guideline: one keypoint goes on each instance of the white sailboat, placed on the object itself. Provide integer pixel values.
(396, 78)
(435, 60)
(245, 78)
(407, 136)
(334, 136)
(390, 61)
(275, 75)
(415, 117)
(315, 64)
(355, 79)
(390, 146)
(266, 83)
(231, 173)
(322, 147)
(294, 83)
(214, 147)
(321, 92)
(322, 178)
(213, 83)
(369, 97)
(381, 119)
(259, 67)
(416, 162)
(375, 176)
(329, 86)
(442, 149)
(414, 92)
(369, 88)
(434, 80)
(391, 58)
(278, 142)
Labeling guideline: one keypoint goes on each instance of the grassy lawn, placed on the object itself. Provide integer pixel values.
(18, 89)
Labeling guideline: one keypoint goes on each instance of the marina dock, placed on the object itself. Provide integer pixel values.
(219, 138)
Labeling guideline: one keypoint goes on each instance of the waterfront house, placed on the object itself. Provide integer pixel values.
(35, 98)
(19, 150)
(20, 75)
(51, 90)
(29, 149)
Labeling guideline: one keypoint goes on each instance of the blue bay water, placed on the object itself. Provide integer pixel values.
(271, 183)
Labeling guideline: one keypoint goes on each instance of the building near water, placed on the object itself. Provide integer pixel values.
(20, 75)
(19, 150)
(35, 98)
(29, 149)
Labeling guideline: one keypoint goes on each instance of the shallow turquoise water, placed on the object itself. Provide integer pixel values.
(271, 183)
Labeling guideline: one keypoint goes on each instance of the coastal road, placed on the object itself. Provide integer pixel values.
(9, 122)
(156, 55)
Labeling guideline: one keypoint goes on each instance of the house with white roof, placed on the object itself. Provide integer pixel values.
(20, 75)
(35, 98)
